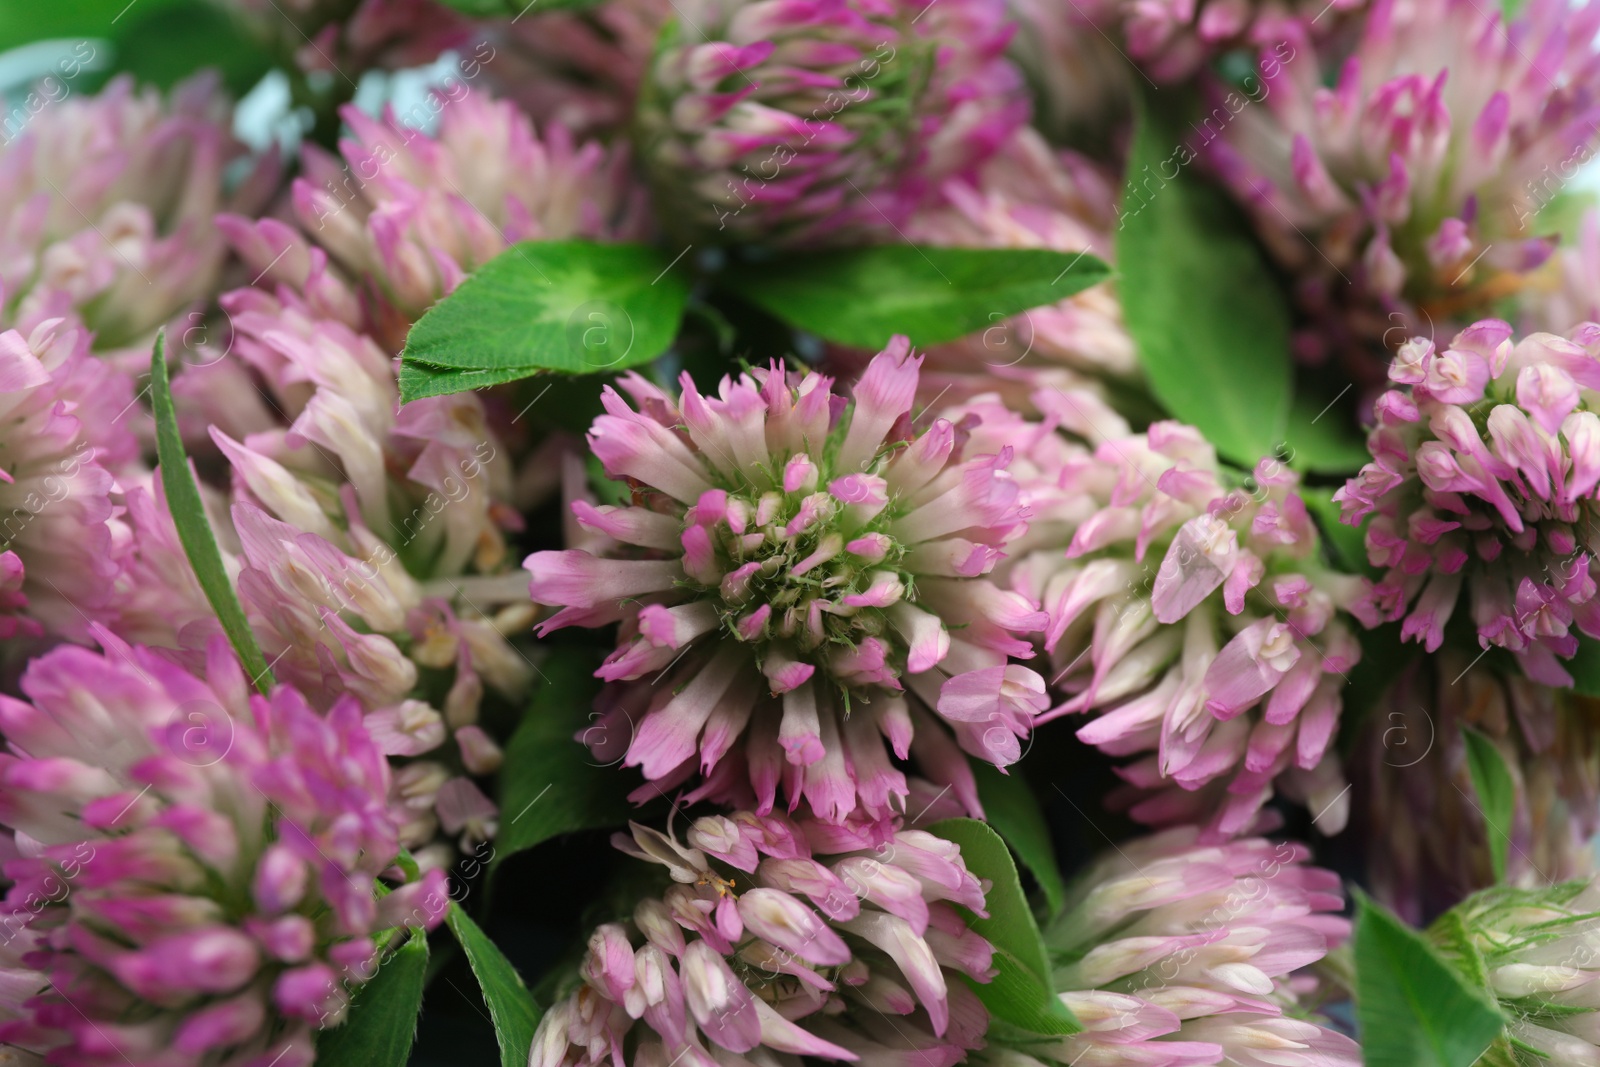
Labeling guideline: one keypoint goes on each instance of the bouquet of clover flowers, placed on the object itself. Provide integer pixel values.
(575, 535)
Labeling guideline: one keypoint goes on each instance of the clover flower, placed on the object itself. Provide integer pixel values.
(1537, 953)
(1171, 953)
(371, 544)
(372, 538)
(1485, 463)
(1220, 666)
(405, 216)
(66, 438)
(369, 541)
(1426, 837)
(801, 939)
(805, 120)
(196, 865)
(108, 201)
(1400, 181)
(806, 574)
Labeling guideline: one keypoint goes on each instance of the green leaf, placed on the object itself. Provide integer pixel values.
(510, 1004)
(1013, 811)
(165, 44)
(160, 42)
(1207, 314)
(189, 516)
(1585, 667)
(383, 1014)
(1321, 438)
(1348, 543)
(1413, 1008)
(571, 307)
(418, 380)
(863, 296)
(1497, 795)
(1021, 993)
(23, 23)
(550, 784)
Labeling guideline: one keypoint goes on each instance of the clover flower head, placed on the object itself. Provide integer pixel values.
(808, 574)
(804, 120)
(404, 216)
(198, 864)
(107, 206)
(1191, 612)
(66, 437)
(1485, 463)
(779, 939)
(371, 544)
(1412, 167)
(1173, 952)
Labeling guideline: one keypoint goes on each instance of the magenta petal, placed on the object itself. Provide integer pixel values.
(984, 695)
(1249, 666)
(1199, 560)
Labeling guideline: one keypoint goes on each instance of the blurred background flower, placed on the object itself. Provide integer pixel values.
(803, 121)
